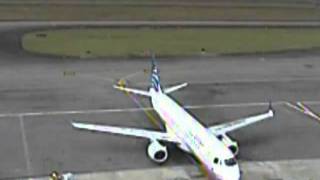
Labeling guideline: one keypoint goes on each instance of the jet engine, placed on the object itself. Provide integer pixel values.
(232, 145)
(157, 152)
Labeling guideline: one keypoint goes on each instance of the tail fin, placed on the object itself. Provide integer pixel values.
(155, 78)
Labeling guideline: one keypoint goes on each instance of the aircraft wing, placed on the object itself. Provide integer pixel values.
(139, 133)
(234, 125)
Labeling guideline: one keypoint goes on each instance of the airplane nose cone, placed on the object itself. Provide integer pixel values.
(233, 174)
(230, 174)
(229, 177)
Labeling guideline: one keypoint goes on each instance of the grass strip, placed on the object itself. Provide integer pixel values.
(118, 12)
(168, 41)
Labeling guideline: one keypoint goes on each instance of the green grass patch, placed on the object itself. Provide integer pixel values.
(118, 12)
(168, 41)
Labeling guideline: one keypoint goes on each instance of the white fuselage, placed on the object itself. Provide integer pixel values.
(197, 139)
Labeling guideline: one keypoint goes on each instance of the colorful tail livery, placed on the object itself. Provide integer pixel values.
(155, 83)
(155, 78)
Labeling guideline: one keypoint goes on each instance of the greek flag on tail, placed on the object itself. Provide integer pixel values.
(155, 79)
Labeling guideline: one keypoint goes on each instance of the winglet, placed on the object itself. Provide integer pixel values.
(271, 111)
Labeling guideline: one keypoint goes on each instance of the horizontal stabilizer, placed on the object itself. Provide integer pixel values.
(134, 91)
(175, 88)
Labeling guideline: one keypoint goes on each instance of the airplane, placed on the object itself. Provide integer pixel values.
(210, 145)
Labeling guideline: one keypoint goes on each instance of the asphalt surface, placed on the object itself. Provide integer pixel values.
(222, 89)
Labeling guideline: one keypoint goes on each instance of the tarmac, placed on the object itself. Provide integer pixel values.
(41, 95)
(266, 170)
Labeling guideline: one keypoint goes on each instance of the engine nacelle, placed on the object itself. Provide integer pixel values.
(157, 152)
(232, 145)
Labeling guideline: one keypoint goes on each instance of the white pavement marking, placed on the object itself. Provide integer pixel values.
(25, 146)
(97, 111)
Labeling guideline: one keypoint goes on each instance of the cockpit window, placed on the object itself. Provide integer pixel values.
(230, 162)
(215, 160)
